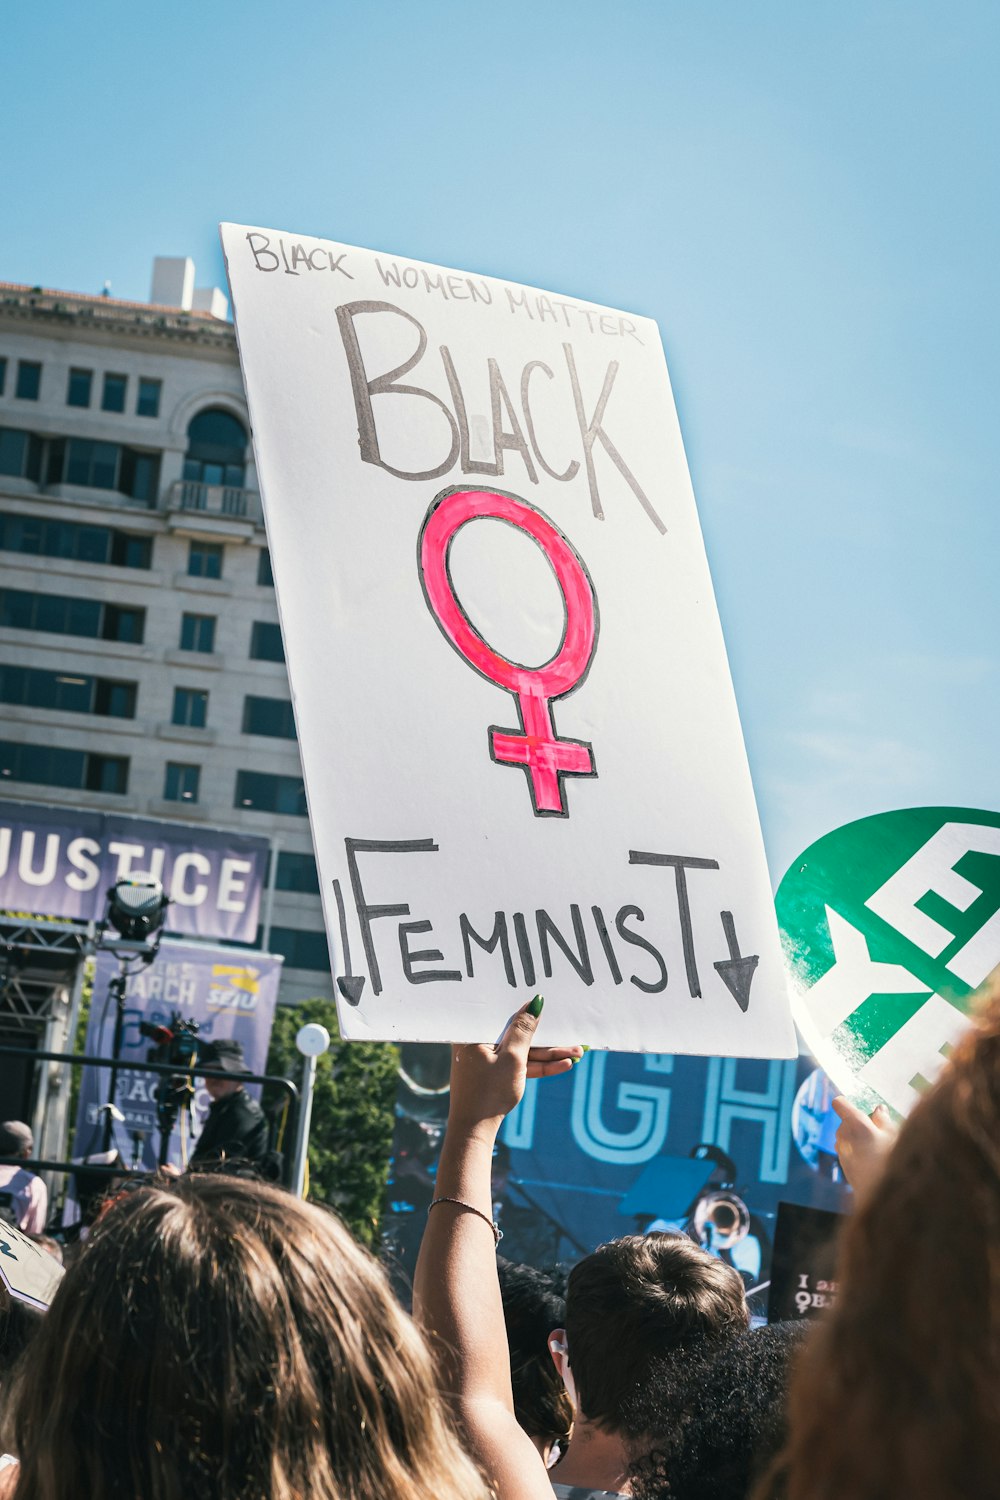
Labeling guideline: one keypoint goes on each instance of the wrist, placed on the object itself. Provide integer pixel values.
(472, 1129)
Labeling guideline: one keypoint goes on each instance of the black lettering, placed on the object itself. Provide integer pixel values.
(638, 941)
(422, 956)
(392, 274)
(497, 936)
(524, 948)
(680, 863)
(469, 465)
(367, 913)
(592, 430)
(299, 254)
(579, 960)
(514, 302)
(506, 437)
(384, 385)
(455, 287)
(336, 265)
(605, 937)
(258, 251)
(434, 284)
(482, 293)
(311, 258)
(288, 269)
(537, 364)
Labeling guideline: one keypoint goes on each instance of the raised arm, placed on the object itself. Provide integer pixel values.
(456, 1290)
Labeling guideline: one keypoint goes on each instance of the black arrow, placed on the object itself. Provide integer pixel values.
(736, 972)
(350, 985)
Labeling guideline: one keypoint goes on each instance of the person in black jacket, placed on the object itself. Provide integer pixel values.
(236, 1129)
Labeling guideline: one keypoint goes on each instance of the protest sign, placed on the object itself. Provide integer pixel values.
(227, 992)
(523, 760)
(889, 925)
(803, 1262)
(28, 1272)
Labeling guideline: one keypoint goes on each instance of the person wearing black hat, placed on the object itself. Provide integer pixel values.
(236, 1129)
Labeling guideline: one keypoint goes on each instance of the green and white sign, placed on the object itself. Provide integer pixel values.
(889, 926)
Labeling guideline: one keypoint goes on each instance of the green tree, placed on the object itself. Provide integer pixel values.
(352, 1120)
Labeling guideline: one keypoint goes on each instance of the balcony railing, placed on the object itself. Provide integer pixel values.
(215, 499)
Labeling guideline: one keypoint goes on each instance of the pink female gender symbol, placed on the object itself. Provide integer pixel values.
(545, 756)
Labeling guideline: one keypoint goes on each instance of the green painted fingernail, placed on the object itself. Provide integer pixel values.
(535, 1006)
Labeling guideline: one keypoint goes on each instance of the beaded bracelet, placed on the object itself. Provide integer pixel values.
(460, 1203)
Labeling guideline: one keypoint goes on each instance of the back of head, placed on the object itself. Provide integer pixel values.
(16, 1138)
(533, 1306)
(713, 1416)
(899, 1391)
(635, 1299)
(220, 1339)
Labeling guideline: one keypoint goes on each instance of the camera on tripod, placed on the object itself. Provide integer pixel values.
(176, 1044)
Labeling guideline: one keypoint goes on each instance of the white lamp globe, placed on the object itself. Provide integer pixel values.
(312, 1039)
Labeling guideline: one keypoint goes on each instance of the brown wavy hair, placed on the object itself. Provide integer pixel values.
(898, 1391)
(634, 1299)
(221, 1340)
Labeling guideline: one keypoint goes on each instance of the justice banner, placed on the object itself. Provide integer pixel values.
(522, 753)
(61, 862)
(225, 992)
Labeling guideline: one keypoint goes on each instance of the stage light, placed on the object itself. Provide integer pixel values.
(136, 907)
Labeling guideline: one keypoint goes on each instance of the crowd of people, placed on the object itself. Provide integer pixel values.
(219, 1339)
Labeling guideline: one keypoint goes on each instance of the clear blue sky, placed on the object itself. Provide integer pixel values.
(803, 195)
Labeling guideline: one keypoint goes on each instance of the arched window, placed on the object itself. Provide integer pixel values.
(217, 444)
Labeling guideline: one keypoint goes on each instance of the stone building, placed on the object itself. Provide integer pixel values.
(141, 666)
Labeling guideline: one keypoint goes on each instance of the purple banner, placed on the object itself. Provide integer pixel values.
(61, 862)
(227, 992)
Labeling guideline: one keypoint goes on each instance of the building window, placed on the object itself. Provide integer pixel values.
(78, 387)
(92, 464)
(33, 687)
(3, 374)
(264, 575)
(113, 396)
(29, 380)
(205, 559)
(104, 466)
(270, 716)
(147, 402)
(190, 707)
(198, 633)
(302, 949)
(266, 793)
(217, 445)
(180, 783)
(297, 872)
(49, 765)
(97, 544)
(61, 615)
(265, 642)
(20, 454)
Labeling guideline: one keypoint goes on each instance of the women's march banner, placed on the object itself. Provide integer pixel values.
(522, 753)
(224, 992)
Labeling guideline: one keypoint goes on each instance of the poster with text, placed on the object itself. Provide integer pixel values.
(226, 992)
(522, 753)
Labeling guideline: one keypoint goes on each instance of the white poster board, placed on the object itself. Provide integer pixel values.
(460, 475)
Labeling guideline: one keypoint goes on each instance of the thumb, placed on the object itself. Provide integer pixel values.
(523, 1025)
